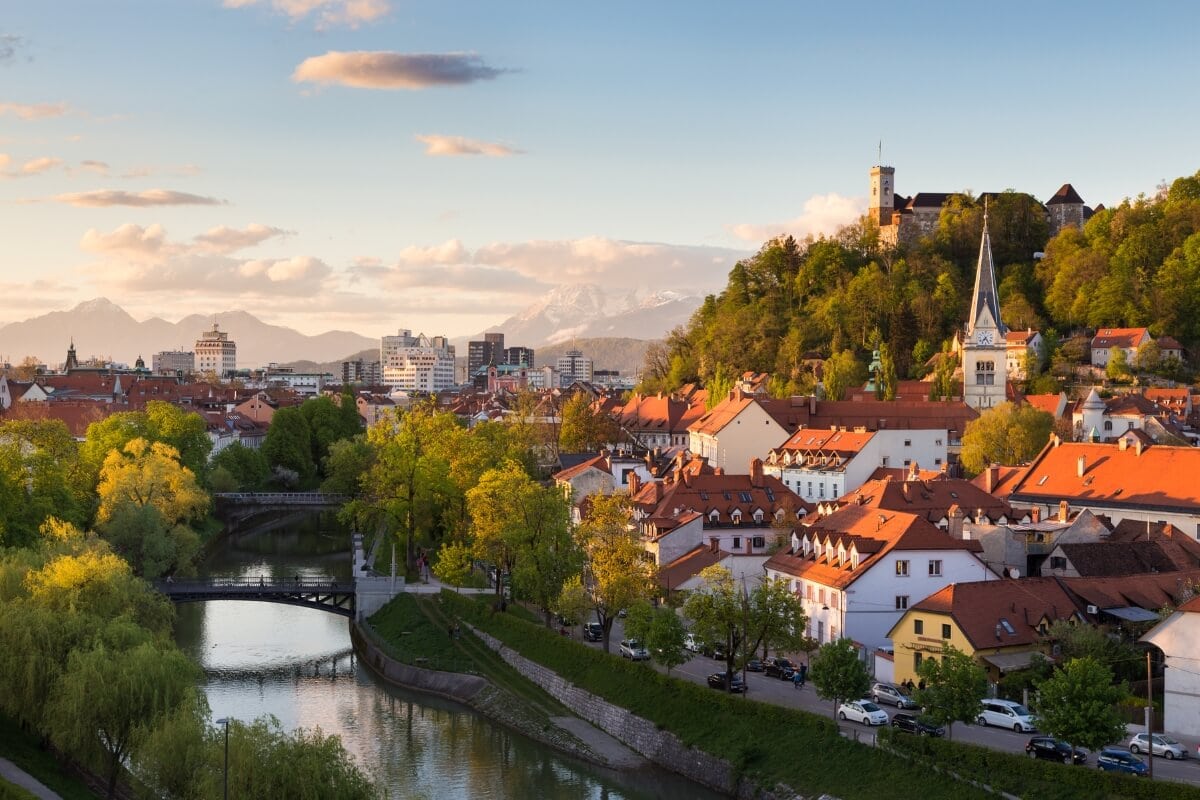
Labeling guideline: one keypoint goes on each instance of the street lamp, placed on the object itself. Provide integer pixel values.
(225, 721)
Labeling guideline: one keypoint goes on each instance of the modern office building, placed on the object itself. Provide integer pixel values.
(216, 352)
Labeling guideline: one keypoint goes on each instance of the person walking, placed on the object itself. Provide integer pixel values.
(803, 673)
(797, 681)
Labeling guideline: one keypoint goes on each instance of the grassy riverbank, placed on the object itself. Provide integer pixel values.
(769, 744)
(25, 751)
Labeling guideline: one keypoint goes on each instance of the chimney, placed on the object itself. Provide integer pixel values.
(756, 473)
(1123, 444)
(1064, 511)
(1081, 466)
(914, 471)
(812, 404)
(1138, 447)
(991, 477)
(904, 488)
(635, 483)
(1035, 513)
(956, 522)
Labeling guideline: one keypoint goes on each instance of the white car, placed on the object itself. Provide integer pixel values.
(633, 650)
(691, 643)
(862, 711)
(1163, 746)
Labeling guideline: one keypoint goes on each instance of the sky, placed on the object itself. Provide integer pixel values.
(371, 165)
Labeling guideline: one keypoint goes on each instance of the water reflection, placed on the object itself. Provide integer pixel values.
(297, 664)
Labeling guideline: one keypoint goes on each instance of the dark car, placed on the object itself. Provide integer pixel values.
(1051, 749)
(911, 723)
(593, 631)
(714, 650)
(754, 665)
(1112, 759)
(717, 681)
(779, 668)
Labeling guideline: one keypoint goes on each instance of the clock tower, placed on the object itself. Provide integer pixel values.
(983, 351)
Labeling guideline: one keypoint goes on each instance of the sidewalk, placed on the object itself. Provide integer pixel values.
(15, 775)
(433, 586)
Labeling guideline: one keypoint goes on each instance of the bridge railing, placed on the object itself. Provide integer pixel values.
(282, 498)
(278, 583)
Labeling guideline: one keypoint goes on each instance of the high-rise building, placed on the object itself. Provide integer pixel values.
(518, 356)
(417, 363)
(366, 373)
(573, 366)
(488, 351)
(216, 352)
(173, 362)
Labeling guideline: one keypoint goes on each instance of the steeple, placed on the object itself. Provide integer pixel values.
(71, 362)
(985, 298)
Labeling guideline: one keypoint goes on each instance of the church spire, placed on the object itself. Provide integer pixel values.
(985, 298)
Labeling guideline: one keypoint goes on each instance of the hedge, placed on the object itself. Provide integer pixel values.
(767, 743)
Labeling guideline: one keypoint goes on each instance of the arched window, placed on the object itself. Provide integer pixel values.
(985, 373)
(1108, 424)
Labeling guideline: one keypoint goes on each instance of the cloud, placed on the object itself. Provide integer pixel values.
(99, 167)
(39, 165)
(449, 252)
(5, 159)
(29, 111)
(382, 69)
(129, 241)
(438, 145)
(9, 45)
(823, 214)
(222, 239)
(151, 197)
(351, 13)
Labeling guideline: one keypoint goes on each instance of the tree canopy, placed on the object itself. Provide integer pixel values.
(1006, 434)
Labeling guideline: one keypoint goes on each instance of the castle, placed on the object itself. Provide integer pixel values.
(905, 219)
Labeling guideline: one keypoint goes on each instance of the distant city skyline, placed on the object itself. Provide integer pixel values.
(371, 165)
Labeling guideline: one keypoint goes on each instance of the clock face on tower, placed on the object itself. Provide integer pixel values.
(984, 337)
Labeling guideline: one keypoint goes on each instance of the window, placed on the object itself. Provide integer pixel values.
(902, 569)
(1058, 562)
(937, 461)
(908, 442)
(834, 491)
(918, 626)
(1108, 424)
(937, 442)
(945, 631)
(737, 543)
(758, 541)
(810, 488)
(908, 462)
(810, 592)
(935, 568)
(821, 596)
(833, 600)
(901, 602)
(985, 373)
(883, 462)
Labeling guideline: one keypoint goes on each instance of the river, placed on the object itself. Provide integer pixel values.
(298, 665)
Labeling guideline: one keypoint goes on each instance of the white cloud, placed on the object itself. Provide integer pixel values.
(131, 242)
(823, 214)
(31, 111)
(328, 13)
(438, 145)
(383, 69)
(151, 197)
(222, 239)
(448, 252)
(98, 167)
(5, 159)
(39, 165)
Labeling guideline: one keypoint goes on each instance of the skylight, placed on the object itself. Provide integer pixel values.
(1008, 628)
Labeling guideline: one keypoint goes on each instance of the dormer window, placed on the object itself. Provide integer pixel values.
(714, 516)
(758, 515)
(737, 517)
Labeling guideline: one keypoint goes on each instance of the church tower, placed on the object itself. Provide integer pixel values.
(983, 352)
(883, 186)
(72, 362)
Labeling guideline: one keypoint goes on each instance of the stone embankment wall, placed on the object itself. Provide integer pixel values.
(638, 733)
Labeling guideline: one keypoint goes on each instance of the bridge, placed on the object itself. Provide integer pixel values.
(322, 592)
(281, 498)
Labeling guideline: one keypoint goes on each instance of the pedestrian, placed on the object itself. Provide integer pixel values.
(921, 685)
(797, 681)
(803, 672)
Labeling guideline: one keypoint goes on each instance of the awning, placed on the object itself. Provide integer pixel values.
(1008, 662)
(1132, 614)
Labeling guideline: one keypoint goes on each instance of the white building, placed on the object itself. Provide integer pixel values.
(417, 363)
(738, 429)
(984, 352)
(216, 352)
(858, 570)
(826, 464)
(573, 366)
(1178, 636)
(173, 362)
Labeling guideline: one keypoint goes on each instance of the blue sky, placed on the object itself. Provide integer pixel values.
(378, 164)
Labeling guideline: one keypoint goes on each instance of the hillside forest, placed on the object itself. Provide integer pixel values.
(1136, 264)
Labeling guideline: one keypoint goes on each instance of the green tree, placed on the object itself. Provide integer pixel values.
(719, 612)
(1006, 434)
(887, 372)
(1117, 368)
(348, 461)
(842, 371)
(954, 688)
(664, 638)
(584, 428)
(777, 619)
(616, 573)
(838, 674)
(246, 465)
(1149, 357)
(40, 475)
(1078, 703)
(1089, 641)
(160, 422)
(288, 445)
(329, 421)
(942, 384)
(454, 564)
(149, 474)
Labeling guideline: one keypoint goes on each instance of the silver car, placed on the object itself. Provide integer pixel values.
(887, 694)
(1163, 746)
(633, 650)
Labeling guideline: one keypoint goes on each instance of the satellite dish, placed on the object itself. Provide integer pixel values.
(1013, 572)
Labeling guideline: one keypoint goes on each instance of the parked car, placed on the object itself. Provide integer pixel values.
(779, 668)
(888, 694)
(691, 643)
(717, 681)
(863, 711)
(593, 632)
(1006, 714)
(1051, 749)
(1163, 746)
(754, 665)
(911, 723)
(633, 650)
(714, 650)
(1114, 759)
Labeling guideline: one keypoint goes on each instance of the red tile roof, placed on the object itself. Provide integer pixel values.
(1118, 337)
(931, 499)
(1003, 613)
(687, 565)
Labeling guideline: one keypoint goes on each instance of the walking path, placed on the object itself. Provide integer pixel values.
(432, 586)
(611, 750)
(15, 775)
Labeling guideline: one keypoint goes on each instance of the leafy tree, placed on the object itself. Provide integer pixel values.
(1078, 703)
(942, 384)
(247, 467)
(954, 687)
(838, 674)
(777, 619)
(35, 642)
(40, 475)
(454, 564)
(288, 444)
(921, 353)
(616, 573)
(664, 639)
(328, 422)
(106, 700)
(348, 461)
(1149, 357)
(887, 373)
(159, 422)
(151, 545)
(842, 370)
(1117, 368)
(1006, 434)
(584, 428)
(1088, 641)
(719, 611)
(145, 474)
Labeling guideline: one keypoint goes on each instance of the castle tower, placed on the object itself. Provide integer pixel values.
(983, 352)
(883, 186)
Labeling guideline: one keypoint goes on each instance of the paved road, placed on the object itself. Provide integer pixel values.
(774, 690)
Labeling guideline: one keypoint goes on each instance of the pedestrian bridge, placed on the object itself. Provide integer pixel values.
(281, 498)
(334, 595)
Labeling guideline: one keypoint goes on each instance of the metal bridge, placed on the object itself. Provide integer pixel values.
(334, 595)
(281, 498)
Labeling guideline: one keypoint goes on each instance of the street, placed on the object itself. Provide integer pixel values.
(781, 692)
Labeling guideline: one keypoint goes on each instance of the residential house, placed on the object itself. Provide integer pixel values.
(1178, 637)
(652, 421)
(683, 574)
(1124, 556)
(933, 499)
(858, 570)
(741, 427)
(1107, 340)
(1020, 348)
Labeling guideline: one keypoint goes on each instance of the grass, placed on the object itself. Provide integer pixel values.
(766, 743)
(10, 791)
(24, 750)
